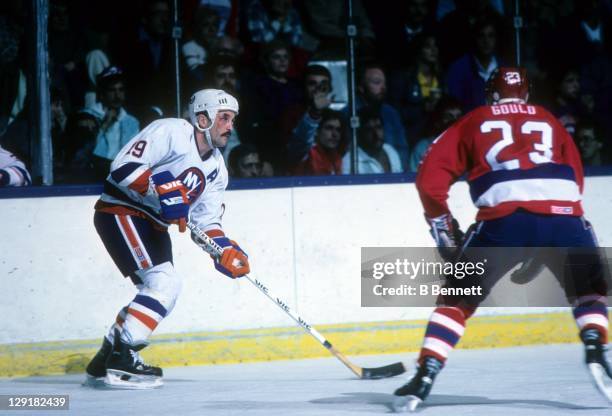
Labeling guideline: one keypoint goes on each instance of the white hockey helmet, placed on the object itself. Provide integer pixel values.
(210, 101)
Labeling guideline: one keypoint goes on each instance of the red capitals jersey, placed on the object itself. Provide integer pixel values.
(515, 156)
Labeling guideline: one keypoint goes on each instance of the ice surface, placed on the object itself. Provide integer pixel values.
(536, 380)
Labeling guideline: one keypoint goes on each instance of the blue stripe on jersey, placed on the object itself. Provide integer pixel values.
(151, 303)
(112, 190)
(26, 176)
(481, 184)
(124, 171)
(597, 307)
(436, 330)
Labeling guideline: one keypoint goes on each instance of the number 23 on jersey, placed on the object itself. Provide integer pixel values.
(541, 151)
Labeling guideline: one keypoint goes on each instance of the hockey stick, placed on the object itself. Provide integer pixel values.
(390, 370)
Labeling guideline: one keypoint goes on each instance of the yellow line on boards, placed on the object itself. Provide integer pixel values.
(227, 347)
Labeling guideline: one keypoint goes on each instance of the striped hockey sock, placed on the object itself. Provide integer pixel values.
(144, 313)
(117, 325)
(592, 312)
(445, 328)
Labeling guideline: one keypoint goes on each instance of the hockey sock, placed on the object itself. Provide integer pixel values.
(118, 325)
(592, 312)
(445, 328)
(143, 315)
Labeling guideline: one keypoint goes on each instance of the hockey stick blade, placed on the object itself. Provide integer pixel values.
(386, 371)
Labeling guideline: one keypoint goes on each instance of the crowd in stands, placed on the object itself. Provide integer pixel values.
(421, 64)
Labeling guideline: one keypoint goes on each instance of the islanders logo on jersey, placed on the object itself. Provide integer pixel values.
(195, 181)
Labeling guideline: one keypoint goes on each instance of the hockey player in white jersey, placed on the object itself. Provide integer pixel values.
(170, 172)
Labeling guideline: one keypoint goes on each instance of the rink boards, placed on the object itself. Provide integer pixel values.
(62, 291)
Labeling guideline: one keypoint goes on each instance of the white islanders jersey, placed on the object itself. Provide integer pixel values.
(166, 145)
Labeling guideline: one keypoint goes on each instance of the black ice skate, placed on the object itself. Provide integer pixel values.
(411, 394)
(96, 369)
(597, 364)
(126, 370)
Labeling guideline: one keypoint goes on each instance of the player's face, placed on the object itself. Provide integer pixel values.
(375, 84)
(222, 129)
(329, 134)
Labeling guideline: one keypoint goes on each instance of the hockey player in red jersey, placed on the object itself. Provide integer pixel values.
(169, 173)
(526, 179)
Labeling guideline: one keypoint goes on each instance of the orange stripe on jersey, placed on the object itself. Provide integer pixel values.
(141, 184)
(145, 319)
(215, 233)
(144, 264)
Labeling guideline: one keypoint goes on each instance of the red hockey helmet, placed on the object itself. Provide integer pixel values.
(507, 84)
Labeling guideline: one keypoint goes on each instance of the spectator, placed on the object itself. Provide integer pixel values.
(279, 21)
(537, 36)
(149, 114)
(589, 142)
(79, 142)
(325, 156)
(455, 30)
(582, 36)
(374, 154)
(195, 52)
(372, 90)
(328, 25)
(12, 78)
(222, 73)
(446, 6)
(227, 45)
(566, 106)
(397, 26)
(270, 20)
(13, 171)
(417, 90)
(467, 76)
(272, 92)
(66, 54)
(225, 11)
(300, 121)
(59, 119)
(446, 113)
(596, 81)
(96, 59)
(244, 162)
(117, 127)
(148, 60)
